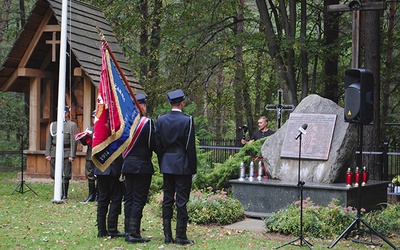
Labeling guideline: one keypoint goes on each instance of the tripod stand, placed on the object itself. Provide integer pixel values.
(20, 187)
(355, 225)
(300, 185)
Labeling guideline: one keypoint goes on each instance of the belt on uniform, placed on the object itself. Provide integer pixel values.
(65, 145)
(138, 158)
(174, 150)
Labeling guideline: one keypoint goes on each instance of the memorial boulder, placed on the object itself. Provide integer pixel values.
(327, 149)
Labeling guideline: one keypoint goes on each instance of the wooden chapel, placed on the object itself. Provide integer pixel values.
(32, 67)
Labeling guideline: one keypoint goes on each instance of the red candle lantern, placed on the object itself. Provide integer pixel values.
(357, 177)
(349, 177)
(365, 176)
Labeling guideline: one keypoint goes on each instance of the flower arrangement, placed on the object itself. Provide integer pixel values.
(396, 180)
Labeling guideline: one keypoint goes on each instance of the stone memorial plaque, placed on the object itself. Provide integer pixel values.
(316, 143)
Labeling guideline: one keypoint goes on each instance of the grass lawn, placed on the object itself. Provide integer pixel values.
(28, 221)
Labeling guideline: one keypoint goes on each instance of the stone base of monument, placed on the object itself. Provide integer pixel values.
(261, 198)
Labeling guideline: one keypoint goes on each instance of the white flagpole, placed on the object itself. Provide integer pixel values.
(61, 105)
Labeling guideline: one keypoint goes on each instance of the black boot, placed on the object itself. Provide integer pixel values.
(92, 192)
(97, 193)
(101, 226)
(65, 186)
(133, 235)
(181, 237)
(167, 231)
(126, 226)
(112, 228)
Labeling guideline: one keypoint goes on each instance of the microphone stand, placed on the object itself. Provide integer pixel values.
(20, 187)
(300, 185)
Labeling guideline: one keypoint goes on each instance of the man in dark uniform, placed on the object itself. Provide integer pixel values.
(110, 199)
(89, 166)
(178, 162)
(138, 170)
(70, 129)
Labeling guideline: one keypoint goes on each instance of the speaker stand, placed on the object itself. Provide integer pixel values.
(355, 225)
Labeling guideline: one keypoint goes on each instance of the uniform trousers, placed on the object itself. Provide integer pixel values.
(67, 169)
(89, 170)
(181, 186)
(110, 193)
(137, 190)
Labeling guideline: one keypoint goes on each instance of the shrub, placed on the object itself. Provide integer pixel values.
(214, 208)
(386, 221)
(321, 222)
(208, 207)
(219, 178)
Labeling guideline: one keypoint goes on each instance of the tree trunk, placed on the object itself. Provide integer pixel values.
(303, 53)
(154, 54)
(389, 67)
(331, 87)
(144, 38)
(240, 90)
(4, 17)
(22, 12)
(372, 138)
(283, 65)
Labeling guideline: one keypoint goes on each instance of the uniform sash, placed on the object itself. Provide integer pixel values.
(138, 131)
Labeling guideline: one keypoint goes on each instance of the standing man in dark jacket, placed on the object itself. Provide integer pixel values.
(138, 170)
(110, 199)
(178, 162)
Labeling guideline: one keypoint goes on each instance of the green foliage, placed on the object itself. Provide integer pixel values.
(208, 207)
(396, 180)
(320, 222)
(387, 220)
(222, 173)
(330, 221)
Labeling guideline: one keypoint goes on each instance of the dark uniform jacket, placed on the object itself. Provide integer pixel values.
(113, 170)
(176, 144)
(138, 159)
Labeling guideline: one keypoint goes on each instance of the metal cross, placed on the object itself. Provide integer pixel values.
(279, 108)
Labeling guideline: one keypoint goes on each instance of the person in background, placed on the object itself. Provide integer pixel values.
(89, 166)
(138, 170)
(70, 129)
(263, 131)
(178, 162)
(110, 199)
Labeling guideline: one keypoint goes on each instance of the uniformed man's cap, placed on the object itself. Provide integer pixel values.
(141, 98)
(176, 96)
(93, 113)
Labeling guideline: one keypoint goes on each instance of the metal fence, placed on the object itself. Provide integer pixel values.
(219, 150)
(388, 160)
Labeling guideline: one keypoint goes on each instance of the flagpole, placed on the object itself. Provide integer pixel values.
(61, 106)
(103, 39)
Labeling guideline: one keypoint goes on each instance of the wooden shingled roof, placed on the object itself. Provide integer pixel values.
(30, 50)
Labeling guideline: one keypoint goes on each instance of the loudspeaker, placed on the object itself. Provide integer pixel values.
(358, 96)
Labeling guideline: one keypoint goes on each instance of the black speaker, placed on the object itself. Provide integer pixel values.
(358, 96)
